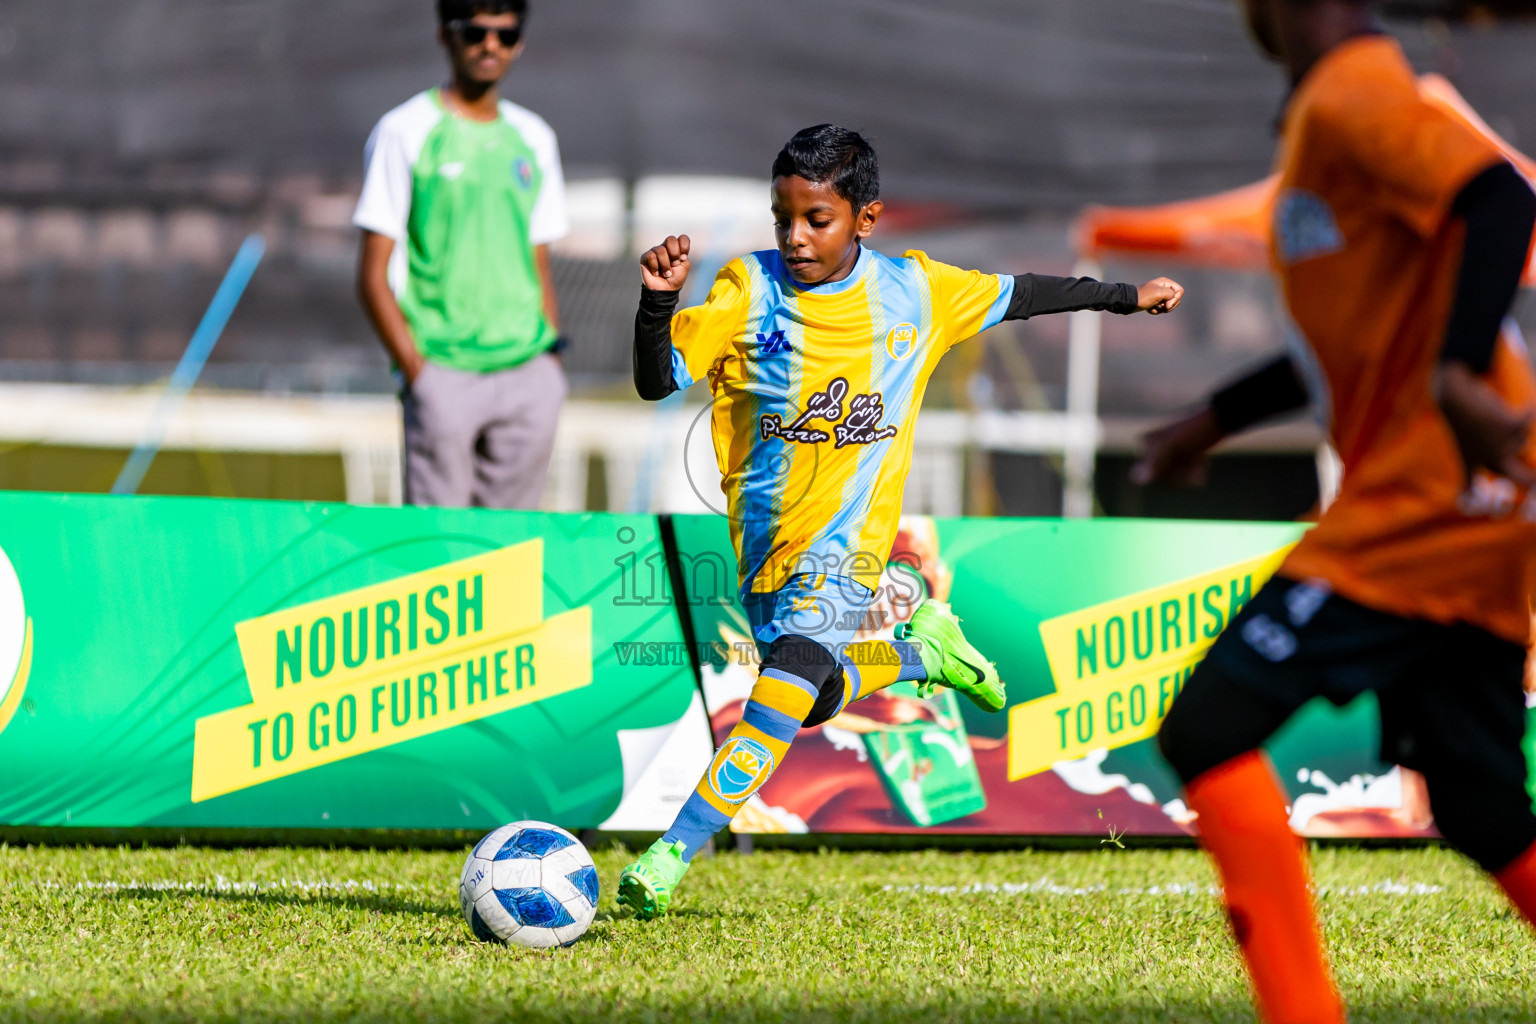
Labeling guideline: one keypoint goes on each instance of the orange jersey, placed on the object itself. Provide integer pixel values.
(1367, 254)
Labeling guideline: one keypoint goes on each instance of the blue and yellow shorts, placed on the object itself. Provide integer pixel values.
(828, 609)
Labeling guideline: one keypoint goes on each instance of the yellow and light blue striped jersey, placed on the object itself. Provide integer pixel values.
(815, 395)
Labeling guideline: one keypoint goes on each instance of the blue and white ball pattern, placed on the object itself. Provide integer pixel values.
(529, 884)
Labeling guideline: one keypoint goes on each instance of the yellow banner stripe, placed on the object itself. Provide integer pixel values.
(1118, 665)
(1073, 724)
(1133, 635)
(392, 626)
(301, 728)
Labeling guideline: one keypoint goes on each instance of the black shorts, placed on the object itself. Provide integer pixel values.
(1452, 697)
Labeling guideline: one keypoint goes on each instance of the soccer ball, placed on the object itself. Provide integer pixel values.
(529, 884)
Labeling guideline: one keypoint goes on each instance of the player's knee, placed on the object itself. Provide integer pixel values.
(1186, 740)
(806, 659)
(1178, 744)
(1212, 721)
(1492, 824)
(830, 701)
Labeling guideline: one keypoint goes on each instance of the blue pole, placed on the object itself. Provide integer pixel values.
(191, 364)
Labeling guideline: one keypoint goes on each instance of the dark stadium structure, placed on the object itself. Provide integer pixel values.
(141, 140)
(978, 105)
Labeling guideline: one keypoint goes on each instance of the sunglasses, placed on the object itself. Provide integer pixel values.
(473, 35)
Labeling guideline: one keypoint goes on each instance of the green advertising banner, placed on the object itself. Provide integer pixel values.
(194, 662)
(1094, 626)
(204, 663)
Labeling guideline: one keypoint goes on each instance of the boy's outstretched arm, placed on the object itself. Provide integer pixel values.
(1035, 294)
(663, 271)
(1176, 453)
(1499, 211)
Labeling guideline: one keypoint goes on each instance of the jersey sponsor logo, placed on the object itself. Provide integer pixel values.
(860, 425)
(742, 765)
(773, 343)
(452, 171)
(1496, 497)
(1305, 227)
(1305, 600)
(901, 341)
(1272, 640)
(522, 172)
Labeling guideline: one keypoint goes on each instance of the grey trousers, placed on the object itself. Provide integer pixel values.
(481, 439)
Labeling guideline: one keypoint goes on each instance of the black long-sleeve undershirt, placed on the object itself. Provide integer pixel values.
(1036, 294)
(653, 345)
(1033, 295)
(1499, 211)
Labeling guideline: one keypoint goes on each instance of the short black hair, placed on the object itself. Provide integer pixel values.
(829, 155)
(462, 10)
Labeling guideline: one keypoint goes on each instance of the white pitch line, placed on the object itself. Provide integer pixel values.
(1046, 887)
(222, 884)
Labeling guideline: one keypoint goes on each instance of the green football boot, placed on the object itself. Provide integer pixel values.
(646, 885)
(949, 659)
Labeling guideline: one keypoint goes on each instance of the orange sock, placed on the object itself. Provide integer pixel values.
(1519, 881)
(1263, 872)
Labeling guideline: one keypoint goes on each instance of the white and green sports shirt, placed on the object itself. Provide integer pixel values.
(466, 203)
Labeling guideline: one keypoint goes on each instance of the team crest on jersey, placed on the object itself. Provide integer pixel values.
(742, 765)
(1305, 227)
(522, 172)
(901, 341)
(854, 420)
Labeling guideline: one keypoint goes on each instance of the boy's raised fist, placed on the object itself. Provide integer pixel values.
(1159, 295)
(664, 267)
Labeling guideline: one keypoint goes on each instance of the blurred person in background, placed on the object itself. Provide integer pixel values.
(1399, 238)
(461, 197)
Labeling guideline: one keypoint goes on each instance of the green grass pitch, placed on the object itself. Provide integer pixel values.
(1111, 935)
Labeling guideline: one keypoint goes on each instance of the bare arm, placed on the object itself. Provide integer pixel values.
(379, 303)
(547, 286)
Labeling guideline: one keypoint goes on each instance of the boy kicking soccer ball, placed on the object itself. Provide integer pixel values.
(817, 354)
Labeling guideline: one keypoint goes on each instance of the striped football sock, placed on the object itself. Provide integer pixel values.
(780, 702)
(877, 664)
